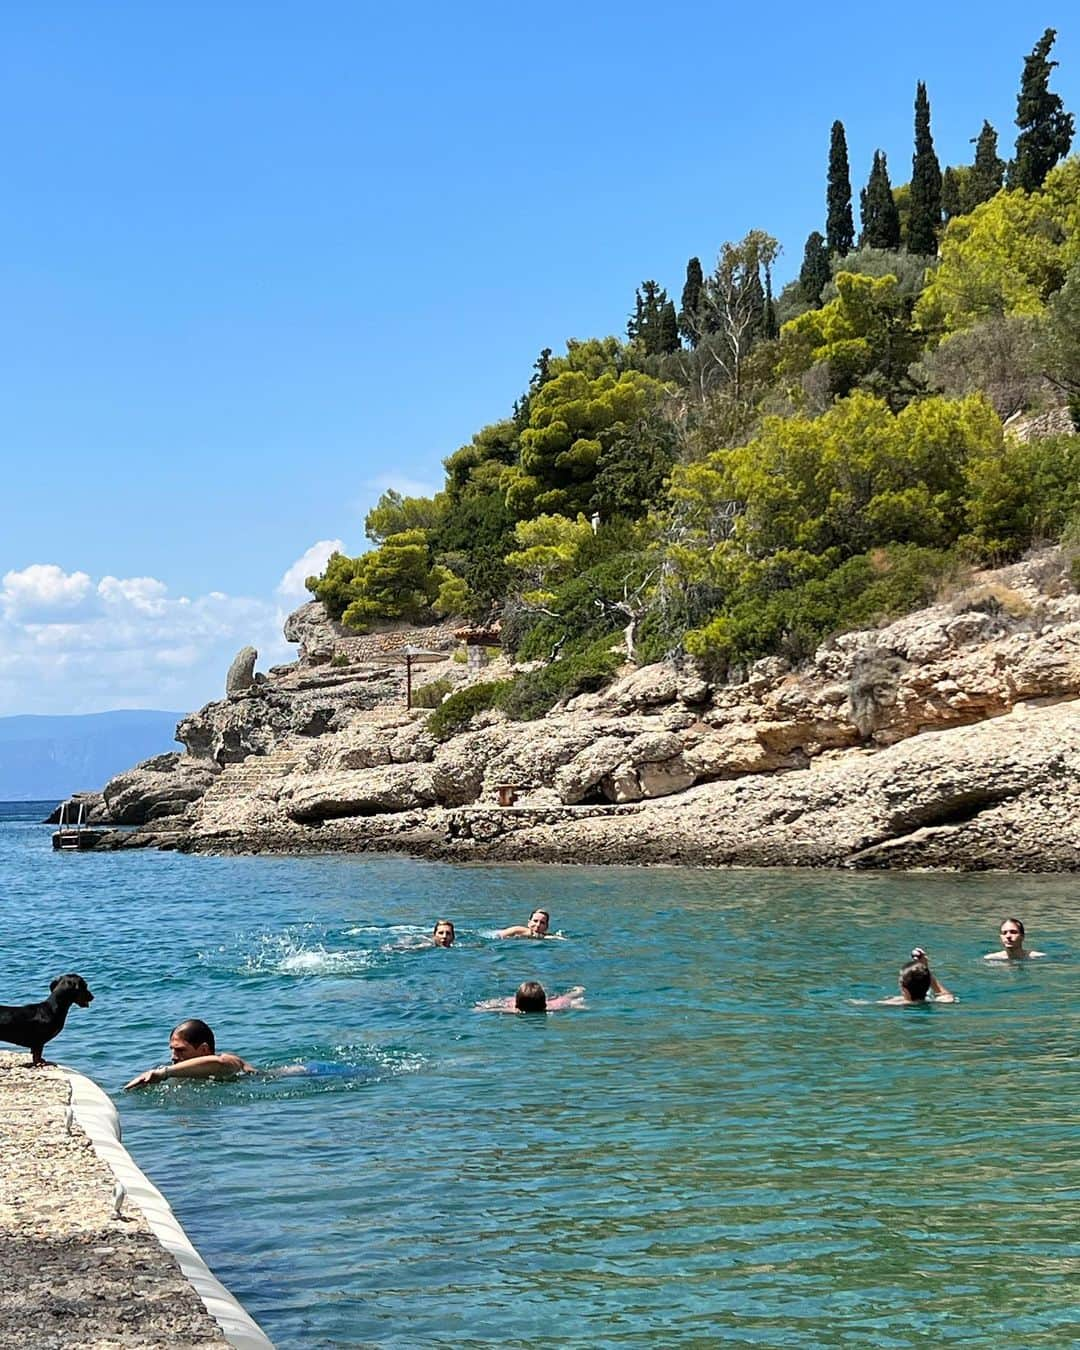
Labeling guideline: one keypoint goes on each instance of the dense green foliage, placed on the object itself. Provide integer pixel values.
(839, 224)
(747, 475)
(1046, 129)
(461, 707)
(877, 208)
(987, 174)
(924, 214)
(815, 274)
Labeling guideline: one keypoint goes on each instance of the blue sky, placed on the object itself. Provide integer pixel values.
(262, 261)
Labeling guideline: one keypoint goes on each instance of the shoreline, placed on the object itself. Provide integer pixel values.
(94, 1256)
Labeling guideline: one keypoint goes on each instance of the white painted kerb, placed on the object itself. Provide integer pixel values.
(97, 1115)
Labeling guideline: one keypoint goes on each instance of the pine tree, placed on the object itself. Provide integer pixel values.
(646, 324)
(880, 218)
(925, 218)
(950, 195)
(988, 171)
(814, 274)
(690, 310)
(839, 226)
(1046, 129)
(667, 334)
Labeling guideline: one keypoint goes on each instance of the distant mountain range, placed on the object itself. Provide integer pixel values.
(46, 758)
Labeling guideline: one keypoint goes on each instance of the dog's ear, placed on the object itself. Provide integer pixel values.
(52, 987)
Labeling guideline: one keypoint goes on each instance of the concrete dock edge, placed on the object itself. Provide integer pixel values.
(97, 1116)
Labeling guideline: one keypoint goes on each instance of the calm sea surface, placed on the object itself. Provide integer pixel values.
(731, 1145)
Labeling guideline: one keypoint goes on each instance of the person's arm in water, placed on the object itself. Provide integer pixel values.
(205, 1066)
(515, 930)
(502, 1005)
(941, 994)
(571, 999)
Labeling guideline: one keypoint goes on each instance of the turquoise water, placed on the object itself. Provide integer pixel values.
(724, 1148)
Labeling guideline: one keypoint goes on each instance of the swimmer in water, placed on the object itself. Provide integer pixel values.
(537, 927)
(941, 994)
(1012, 943)
(194, 1055)
(442, 935)
(916, 985)
(531, 997)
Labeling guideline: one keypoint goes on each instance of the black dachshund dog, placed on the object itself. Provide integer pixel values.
(34, 1024)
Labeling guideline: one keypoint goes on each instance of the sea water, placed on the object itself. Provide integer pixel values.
(731, 1144)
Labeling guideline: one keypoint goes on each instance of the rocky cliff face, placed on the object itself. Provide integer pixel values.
(948, 739)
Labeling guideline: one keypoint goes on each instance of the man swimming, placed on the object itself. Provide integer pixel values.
(442, 935)
(531, 997)
(194, 1055)
(1012, 943)
(917, 985)
(537, 927)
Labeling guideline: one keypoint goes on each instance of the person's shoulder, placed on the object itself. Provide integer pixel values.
(995, 956)
(233, 1062)
(1031, 954)
(515, 930)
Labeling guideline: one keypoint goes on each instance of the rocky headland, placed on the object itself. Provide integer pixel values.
(948, 739)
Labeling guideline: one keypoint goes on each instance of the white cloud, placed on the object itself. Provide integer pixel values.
(68, 644)
(310, 564)
(146, 594)
(45, 593)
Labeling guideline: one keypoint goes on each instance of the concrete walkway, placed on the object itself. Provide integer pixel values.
(75, 1273)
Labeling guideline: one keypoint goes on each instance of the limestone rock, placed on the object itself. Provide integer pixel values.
(315, 631)
(663, 778)
(94, 811)
(362, 792)
(172, 780)
(241, 674)
(576, 780)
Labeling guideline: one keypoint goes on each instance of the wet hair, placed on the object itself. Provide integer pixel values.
(449, 924)
(196, 1032)
(1015, 921)
(915, 980)
(544, 912)
(530, 997)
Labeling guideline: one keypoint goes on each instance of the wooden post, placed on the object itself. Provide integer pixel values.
(408, 679)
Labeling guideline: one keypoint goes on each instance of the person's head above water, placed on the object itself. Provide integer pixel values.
(530, 997)
(539, 922)
(1011, 933)
(915, 981)
(191, 1040)
(443, 933)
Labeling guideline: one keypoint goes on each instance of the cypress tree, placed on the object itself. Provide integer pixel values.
(839, 225)
(988, 171)
(1046, 129)
(880, 218)
(950, 195)
(667, 335)
(814, 274)
(925, 218)
(690, 310)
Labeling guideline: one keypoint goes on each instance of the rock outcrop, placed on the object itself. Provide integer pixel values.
(241, 674)
(950, 738)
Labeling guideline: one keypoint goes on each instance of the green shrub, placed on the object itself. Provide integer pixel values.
(432, 694)
(339, 659)
(460, 708)
(578, 671)
(862, 592)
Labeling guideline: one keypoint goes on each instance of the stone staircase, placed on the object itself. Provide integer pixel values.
(245, 794)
